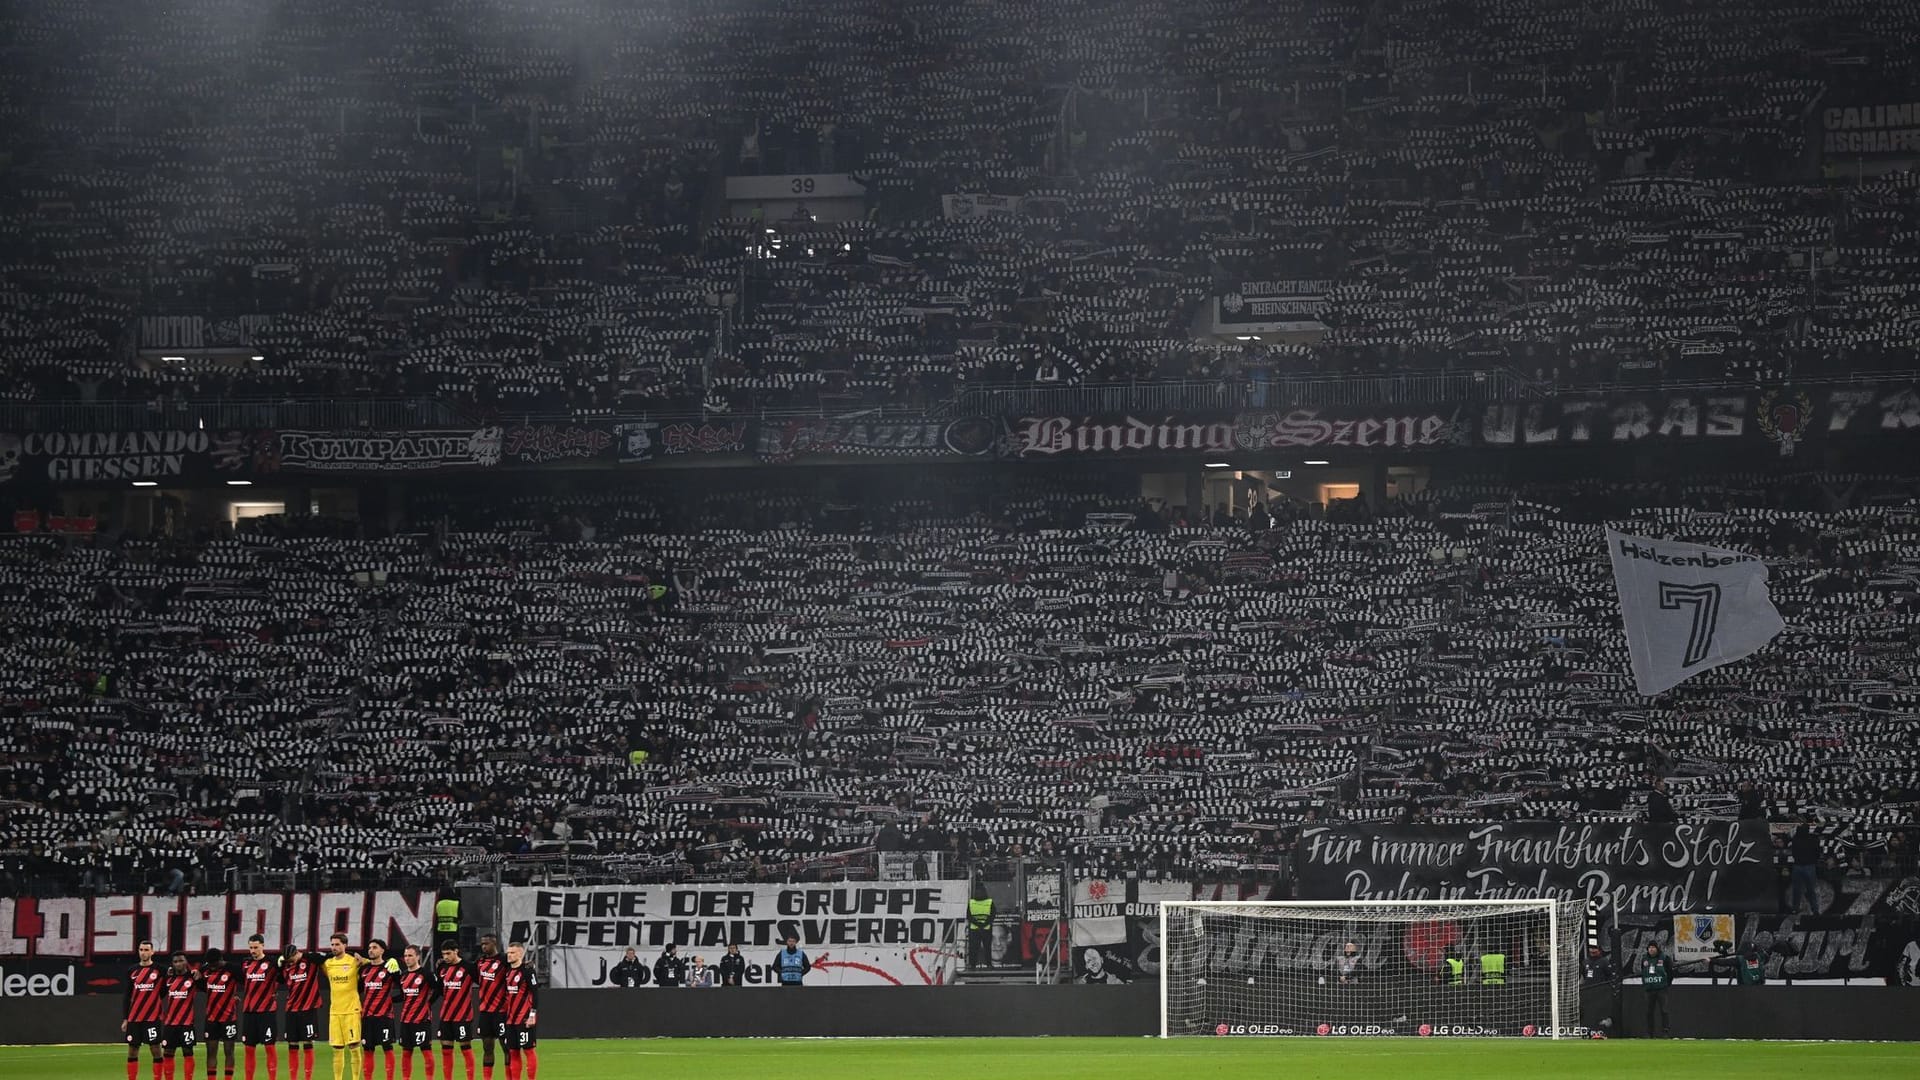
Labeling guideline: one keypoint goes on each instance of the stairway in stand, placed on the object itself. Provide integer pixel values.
(995, 977)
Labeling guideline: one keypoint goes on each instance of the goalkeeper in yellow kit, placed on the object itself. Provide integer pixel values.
(343, 1005)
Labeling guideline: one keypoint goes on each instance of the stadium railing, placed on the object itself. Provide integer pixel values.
(1616, 386)
(1188, 395)
(328, 414)
(1232, 395)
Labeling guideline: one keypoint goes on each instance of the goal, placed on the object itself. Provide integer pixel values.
(1384, 967)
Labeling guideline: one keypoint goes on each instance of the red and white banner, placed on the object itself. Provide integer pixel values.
(856, 935)
(109, 926)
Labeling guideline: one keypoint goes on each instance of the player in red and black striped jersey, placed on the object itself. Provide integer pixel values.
(520, 990)
(414, 990)
(456, 979)
(141, 1006)
(490, 970)
(302, 977)
(176, 1016)
(222, 988)
(259, 990)
(378, 983)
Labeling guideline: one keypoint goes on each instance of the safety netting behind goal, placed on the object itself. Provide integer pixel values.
(1440, 969)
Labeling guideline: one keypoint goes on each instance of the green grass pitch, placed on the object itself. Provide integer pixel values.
(1115, 1059)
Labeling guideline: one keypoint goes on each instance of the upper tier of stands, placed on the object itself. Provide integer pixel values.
(514, 203)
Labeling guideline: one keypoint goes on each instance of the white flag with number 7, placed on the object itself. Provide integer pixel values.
(1688, 608)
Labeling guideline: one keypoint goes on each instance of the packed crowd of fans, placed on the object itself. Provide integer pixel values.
(517, 203)
(737, 683)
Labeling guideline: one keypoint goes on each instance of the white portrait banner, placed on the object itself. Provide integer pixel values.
(855, 935)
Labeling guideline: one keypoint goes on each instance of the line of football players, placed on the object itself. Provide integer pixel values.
(403, 1005)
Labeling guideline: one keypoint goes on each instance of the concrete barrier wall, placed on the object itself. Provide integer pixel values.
(856, 1010)
(1698, 1012)
(1782, 1012)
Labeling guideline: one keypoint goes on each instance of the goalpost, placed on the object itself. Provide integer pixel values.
(1381, 967)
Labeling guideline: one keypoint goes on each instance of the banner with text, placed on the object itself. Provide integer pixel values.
(389, 451)
(542, 444)
(1699, 938)
(651, 440)
(158, 457)
(1770, 422)
(856, 935)
(1765, 424)
(1720, 597)
(1040, 438)
(966, 207)
(1413, 428)
(1715, 866)
(106, 928)
(869, 437)
(1263, 307)
(189, 333)
(1886, 130)
(1116, 927)
(1781, 418)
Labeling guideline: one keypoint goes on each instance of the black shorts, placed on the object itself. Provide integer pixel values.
(415, 1036)
(456, 1031)
(143, 1033)
(256, 1028)
(492, 1026)
(520, 1037)
(222, 1031)
(178, 1037)
(304, 1026)
(376, 1031)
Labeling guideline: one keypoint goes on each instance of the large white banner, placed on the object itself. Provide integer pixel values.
(1688, 608)
(856, 935)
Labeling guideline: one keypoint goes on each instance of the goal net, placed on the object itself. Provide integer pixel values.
(1436, 968)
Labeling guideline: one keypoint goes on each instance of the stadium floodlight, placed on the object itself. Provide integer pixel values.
(1371, 967)
(1315, 461)
(1216, 465)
